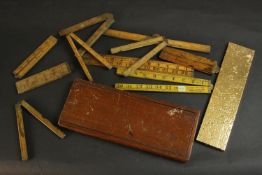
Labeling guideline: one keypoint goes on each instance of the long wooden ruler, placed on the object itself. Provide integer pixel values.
(166, 77)
(172, 43)
(224, 102)
(151, 65)
(35, 57)
(42, 78)
(163, 88)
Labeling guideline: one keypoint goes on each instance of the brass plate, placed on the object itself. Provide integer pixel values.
(224, 102)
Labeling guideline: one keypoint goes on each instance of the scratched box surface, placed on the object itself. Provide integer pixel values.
(130, 119)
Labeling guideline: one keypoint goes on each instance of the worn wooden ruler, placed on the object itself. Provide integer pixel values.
(42, 119)
(224, 102)
(172, 43)
(98, 33)
(187, 59)
(144, 59)
(91, 51)
(42, 78)
(151, 65)
(166, 77)
(35, 57)
(135, 45)
(163, 88)
(85, 24)
(21, 132)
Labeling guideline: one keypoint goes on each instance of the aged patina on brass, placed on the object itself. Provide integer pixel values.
(224, 102)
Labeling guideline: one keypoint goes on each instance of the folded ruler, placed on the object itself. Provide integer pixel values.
(172, 43)
(224, 102)
(163, 88)
(21, 128)
(166, 77)
(42, 78)
(130, 119)
(35, 57)
(151, 65)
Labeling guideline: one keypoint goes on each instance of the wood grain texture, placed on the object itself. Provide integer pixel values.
(42, 119)
(135, 45)
(35, 57)
(145, 58)
(21, 132)
(97, 34)
(79, 58)
(85, 24)
(172, 43)
(91, 51)
(129, 119)
(42, 78)
(187, 59)
(150, 65)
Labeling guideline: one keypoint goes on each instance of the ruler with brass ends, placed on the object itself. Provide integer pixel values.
(163, 88)
(151, 65)
(144, 59)
(42, 119)
(21, 132)
(166, 77)
(225, 99)
(35, 57)
(42, 78)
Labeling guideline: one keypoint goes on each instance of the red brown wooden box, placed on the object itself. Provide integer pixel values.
(133, 120)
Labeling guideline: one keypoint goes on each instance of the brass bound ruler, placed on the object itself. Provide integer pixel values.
(166, 77)
(163, 88)
(151, 65)
(42, 78)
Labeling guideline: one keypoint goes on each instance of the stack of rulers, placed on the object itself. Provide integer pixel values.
(113, 114)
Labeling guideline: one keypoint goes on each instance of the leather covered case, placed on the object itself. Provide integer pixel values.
(130, 119)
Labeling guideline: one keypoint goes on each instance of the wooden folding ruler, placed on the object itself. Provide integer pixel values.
(42, 78)
(151, 65)
(172, 43)
(166, 77)
(20, 125)
(35, 57)
(163, 88)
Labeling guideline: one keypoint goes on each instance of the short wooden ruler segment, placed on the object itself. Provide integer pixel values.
(35, 57)
(21, 132)
(166, 77)
(42, 119)
(42, 78)
(163, 88)
(151, 65)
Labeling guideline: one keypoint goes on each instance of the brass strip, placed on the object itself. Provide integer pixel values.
(224, 102)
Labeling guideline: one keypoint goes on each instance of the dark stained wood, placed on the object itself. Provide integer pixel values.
(187, 59)
(132, 120)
